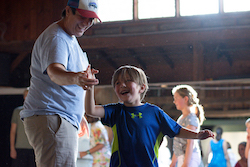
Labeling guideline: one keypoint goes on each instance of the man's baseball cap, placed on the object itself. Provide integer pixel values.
(87, 8)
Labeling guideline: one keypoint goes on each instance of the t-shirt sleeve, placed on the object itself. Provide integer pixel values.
(110, 111)
(169, 126)
(55, 51)
(15, 116)
(193, 120)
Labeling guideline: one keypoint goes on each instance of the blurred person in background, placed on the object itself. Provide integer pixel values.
(99, 143)
(218, 147)
(247, 150)
(187, 151)
(241, 150)
(232, 156)
(21, 152)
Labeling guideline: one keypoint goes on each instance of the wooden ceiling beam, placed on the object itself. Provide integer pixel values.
(108, 59)
(16, 47)
(158, 39)
(17, 61)
(138, 59)
(155, 39)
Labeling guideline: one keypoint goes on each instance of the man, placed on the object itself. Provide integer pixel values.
(21, 151)
(54, 106)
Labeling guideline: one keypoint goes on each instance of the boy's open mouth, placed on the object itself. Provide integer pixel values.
(124, 92)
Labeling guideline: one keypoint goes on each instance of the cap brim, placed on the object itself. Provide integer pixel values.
(88, 14)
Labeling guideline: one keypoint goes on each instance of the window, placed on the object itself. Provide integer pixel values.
(236, 6)
(198, 7)
(121, 10)
(115, 10)
(156, 8)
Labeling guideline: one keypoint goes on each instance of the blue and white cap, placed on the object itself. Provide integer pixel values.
(87, 8)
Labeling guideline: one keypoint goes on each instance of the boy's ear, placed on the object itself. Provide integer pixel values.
(143, 87)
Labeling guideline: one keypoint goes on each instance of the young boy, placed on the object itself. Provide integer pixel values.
(247, 150)
(138, 127)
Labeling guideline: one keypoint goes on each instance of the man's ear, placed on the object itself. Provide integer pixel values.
(67, 10)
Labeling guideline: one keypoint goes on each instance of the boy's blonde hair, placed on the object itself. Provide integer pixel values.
(136, 74)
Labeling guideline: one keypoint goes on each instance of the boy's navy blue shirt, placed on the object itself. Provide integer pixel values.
(138, 132)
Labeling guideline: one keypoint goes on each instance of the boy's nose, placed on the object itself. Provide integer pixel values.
(123, 84)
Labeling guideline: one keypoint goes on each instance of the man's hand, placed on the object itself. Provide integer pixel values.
(204, 134)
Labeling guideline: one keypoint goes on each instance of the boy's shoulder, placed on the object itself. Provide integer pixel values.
(152, 106)
(113, 104)
(145, 106)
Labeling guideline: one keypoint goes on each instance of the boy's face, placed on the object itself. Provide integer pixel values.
(248, 128)
(128, 91)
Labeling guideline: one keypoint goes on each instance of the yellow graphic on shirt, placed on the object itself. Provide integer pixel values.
(139, 115)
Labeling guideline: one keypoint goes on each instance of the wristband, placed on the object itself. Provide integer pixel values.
(88, 152)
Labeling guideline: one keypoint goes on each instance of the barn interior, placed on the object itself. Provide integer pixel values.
(209, 52)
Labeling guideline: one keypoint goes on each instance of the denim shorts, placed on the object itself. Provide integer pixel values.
(54, 140)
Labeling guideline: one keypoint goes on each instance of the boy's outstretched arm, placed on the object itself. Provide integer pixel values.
(189, 134)
(247, 147)
(90, 107)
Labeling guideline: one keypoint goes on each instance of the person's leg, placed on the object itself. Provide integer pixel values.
(54, 140)
(180, 160)
(31, 158)
(67, 145)
(25, 157)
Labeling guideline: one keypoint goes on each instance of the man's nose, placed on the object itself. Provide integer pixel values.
(87, 22)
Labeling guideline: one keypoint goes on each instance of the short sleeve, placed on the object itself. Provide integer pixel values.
(15, 116)
(169, 126)
(55, 51)
(193, 120)
(110, 111)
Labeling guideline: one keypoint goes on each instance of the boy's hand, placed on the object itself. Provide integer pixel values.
(248, 138)
(204, 134)
(91, 72)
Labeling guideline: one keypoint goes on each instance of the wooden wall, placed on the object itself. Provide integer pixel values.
(26, 19)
